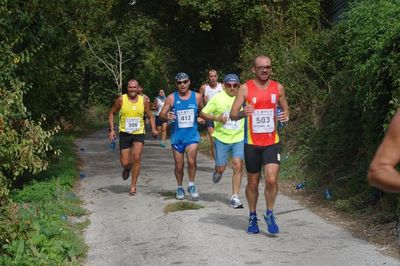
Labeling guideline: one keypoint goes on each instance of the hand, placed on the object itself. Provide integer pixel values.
(222, 119)
(112, 136)
(201, 121)
(154, 132)
(248, 109)
(171, 116)
(283, 117)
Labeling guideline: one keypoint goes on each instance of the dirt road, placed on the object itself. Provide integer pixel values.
(135, 230)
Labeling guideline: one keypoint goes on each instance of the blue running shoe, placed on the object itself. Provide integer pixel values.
(180, 193)
(193, 194)
(253, 225)
(271, 224)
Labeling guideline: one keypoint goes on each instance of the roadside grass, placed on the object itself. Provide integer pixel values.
(43, 222)
(181, 206)
(168, 194)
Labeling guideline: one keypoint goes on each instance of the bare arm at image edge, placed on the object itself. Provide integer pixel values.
(382, 171)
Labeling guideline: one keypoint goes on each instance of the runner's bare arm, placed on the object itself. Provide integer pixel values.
(165, 112)
(241, 95)
(200, 105)
(150, 115)
(202, 90)
(114, 109)
(284, 116)
(211, 117)
(382, 171)
(199, 100)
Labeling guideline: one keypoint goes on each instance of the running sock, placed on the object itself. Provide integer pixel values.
(180, 186)
(253, 214)
(268, 212)
(191, 183)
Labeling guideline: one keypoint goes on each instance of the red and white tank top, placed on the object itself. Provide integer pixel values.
(260, 127)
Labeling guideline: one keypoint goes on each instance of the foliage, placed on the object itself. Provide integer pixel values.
(23, 143)
(343, 87)
(358, 59)
(36, 227)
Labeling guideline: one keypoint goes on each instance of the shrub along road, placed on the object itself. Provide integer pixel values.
(134, 230)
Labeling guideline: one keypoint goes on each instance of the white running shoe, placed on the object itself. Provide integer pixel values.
(193, 194)
(235, 202)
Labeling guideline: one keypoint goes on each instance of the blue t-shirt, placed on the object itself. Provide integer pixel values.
(184, 127)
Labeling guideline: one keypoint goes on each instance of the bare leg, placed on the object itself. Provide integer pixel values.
(253, 179)
(191, 154)
(163, 132)
(159, 128)
(136, 156)
(237, 175)
(125, 158)
(271, 184)
(210, 131)
(220, 169)
(179, 160)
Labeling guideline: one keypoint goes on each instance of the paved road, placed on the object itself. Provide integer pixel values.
(134, 230)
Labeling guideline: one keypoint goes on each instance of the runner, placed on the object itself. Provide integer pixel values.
(228, 135)
(181, 107)
(262, 144)
(208, 91)
(161, 124)
(132, 108)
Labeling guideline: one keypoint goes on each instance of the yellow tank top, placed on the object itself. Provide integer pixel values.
(131, 116)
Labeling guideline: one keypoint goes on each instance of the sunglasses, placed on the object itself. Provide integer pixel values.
(234, 85)
(182, 82)
(263, 67)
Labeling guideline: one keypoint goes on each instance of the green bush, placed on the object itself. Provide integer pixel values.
(23, 143)
(346, 89)
(358, 59)
(36, 226)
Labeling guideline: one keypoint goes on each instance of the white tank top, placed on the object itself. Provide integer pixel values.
(211, 92)
(160, 104)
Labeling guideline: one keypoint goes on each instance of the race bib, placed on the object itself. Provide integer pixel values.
(185, 118)
(132, 124)
(231, 124)
(263, 121)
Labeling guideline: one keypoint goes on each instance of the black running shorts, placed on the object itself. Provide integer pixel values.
(257, 156)
(159, 121)
(126, 140)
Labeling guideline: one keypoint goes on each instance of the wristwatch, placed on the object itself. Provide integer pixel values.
(110, 129)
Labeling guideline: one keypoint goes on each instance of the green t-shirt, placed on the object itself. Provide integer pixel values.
(231, 131)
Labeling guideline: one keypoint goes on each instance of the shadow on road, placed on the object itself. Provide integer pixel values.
(237, 222)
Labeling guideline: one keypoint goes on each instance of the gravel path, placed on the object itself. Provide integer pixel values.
(135, 230)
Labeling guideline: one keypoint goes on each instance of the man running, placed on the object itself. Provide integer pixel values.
(262, 144)
(228, 135)
(208, 91)
(382, 172)
(132, 107)
(161, 124)
(181, 107)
